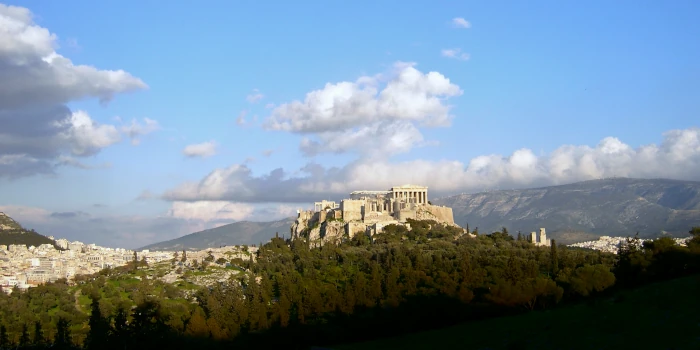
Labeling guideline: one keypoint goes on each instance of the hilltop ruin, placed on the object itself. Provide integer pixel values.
(368, 212)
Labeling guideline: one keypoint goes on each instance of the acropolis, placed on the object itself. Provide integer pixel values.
(368, 212)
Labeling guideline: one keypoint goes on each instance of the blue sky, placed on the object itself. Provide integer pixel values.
(615, 81)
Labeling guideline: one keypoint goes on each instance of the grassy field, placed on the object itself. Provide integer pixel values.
(664, 315)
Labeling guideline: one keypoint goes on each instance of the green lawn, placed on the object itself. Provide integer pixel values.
(665, 315)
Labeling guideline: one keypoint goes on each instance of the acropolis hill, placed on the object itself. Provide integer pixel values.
(368, 212)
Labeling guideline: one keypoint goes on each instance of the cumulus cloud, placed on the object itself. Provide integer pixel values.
(37, 83)
(456, 54)
(202, 150)
(459, 22)
(136, 129)
(255, 96)
(378, 139)
(677, 157)
(392, 105)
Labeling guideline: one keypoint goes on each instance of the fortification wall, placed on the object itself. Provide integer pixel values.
(406, 214)
(442, 214)
(352, 209)
(353, 228)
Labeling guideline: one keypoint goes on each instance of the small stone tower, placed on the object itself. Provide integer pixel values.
(543, 237)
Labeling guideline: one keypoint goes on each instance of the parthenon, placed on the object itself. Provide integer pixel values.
(369, 211)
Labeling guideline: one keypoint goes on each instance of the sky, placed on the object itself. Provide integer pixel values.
(127, 123)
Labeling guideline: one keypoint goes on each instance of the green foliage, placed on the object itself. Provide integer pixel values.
(338, 292)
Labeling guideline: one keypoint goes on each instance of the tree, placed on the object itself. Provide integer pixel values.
(184, 256)
(4, 340)
(554, 258)
(24, 337)
(120, 326)
(38, 334)
(590, 278)
(197, 325)
(99, 327)
(62, 339)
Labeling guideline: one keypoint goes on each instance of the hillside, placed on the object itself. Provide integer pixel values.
(670, 301)
(12, 232)
(243, 232)
(585, 210)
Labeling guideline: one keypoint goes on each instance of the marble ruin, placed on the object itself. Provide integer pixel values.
(368, 212)
(542, 240)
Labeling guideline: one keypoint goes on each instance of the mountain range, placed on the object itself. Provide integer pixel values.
(570, 213)
(585, 210)
(237, 233)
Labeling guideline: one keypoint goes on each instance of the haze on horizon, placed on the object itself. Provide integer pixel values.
(129, 127)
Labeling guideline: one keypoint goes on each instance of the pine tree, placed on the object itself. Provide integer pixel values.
(555, 258)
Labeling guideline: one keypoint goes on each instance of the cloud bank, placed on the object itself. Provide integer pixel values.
(36, 126)
(677, 157)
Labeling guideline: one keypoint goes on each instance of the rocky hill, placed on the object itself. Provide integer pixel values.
(11, 232)
(237, 233)
(585, 210)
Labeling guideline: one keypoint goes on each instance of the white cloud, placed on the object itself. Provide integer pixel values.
(270, 106)
(241, 117)
(459, 22)
(677, 157)
(37, 83)
(255, 96)
(374, 140)
(135, 130)
(211, 210)
(362, 109)
(204, 149)
(86, 137)
(455, 54)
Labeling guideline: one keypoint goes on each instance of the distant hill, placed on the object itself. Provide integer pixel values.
(585, 210)
(237, 233)
(12, 232)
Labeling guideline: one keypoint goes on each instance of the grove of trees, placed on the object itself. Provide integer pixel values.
(294, 296)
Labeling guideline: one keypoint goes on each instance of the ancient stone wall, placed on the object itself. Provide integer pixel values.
(442, 214)
(352, 209)
(354, 228)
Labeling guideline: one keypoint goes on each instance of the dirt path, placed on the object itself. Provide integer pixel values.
(77, 302)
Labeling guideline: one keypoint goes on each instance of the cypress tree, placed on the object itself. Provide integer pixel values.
(38, 334)
(4, 340)
(555, 258)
